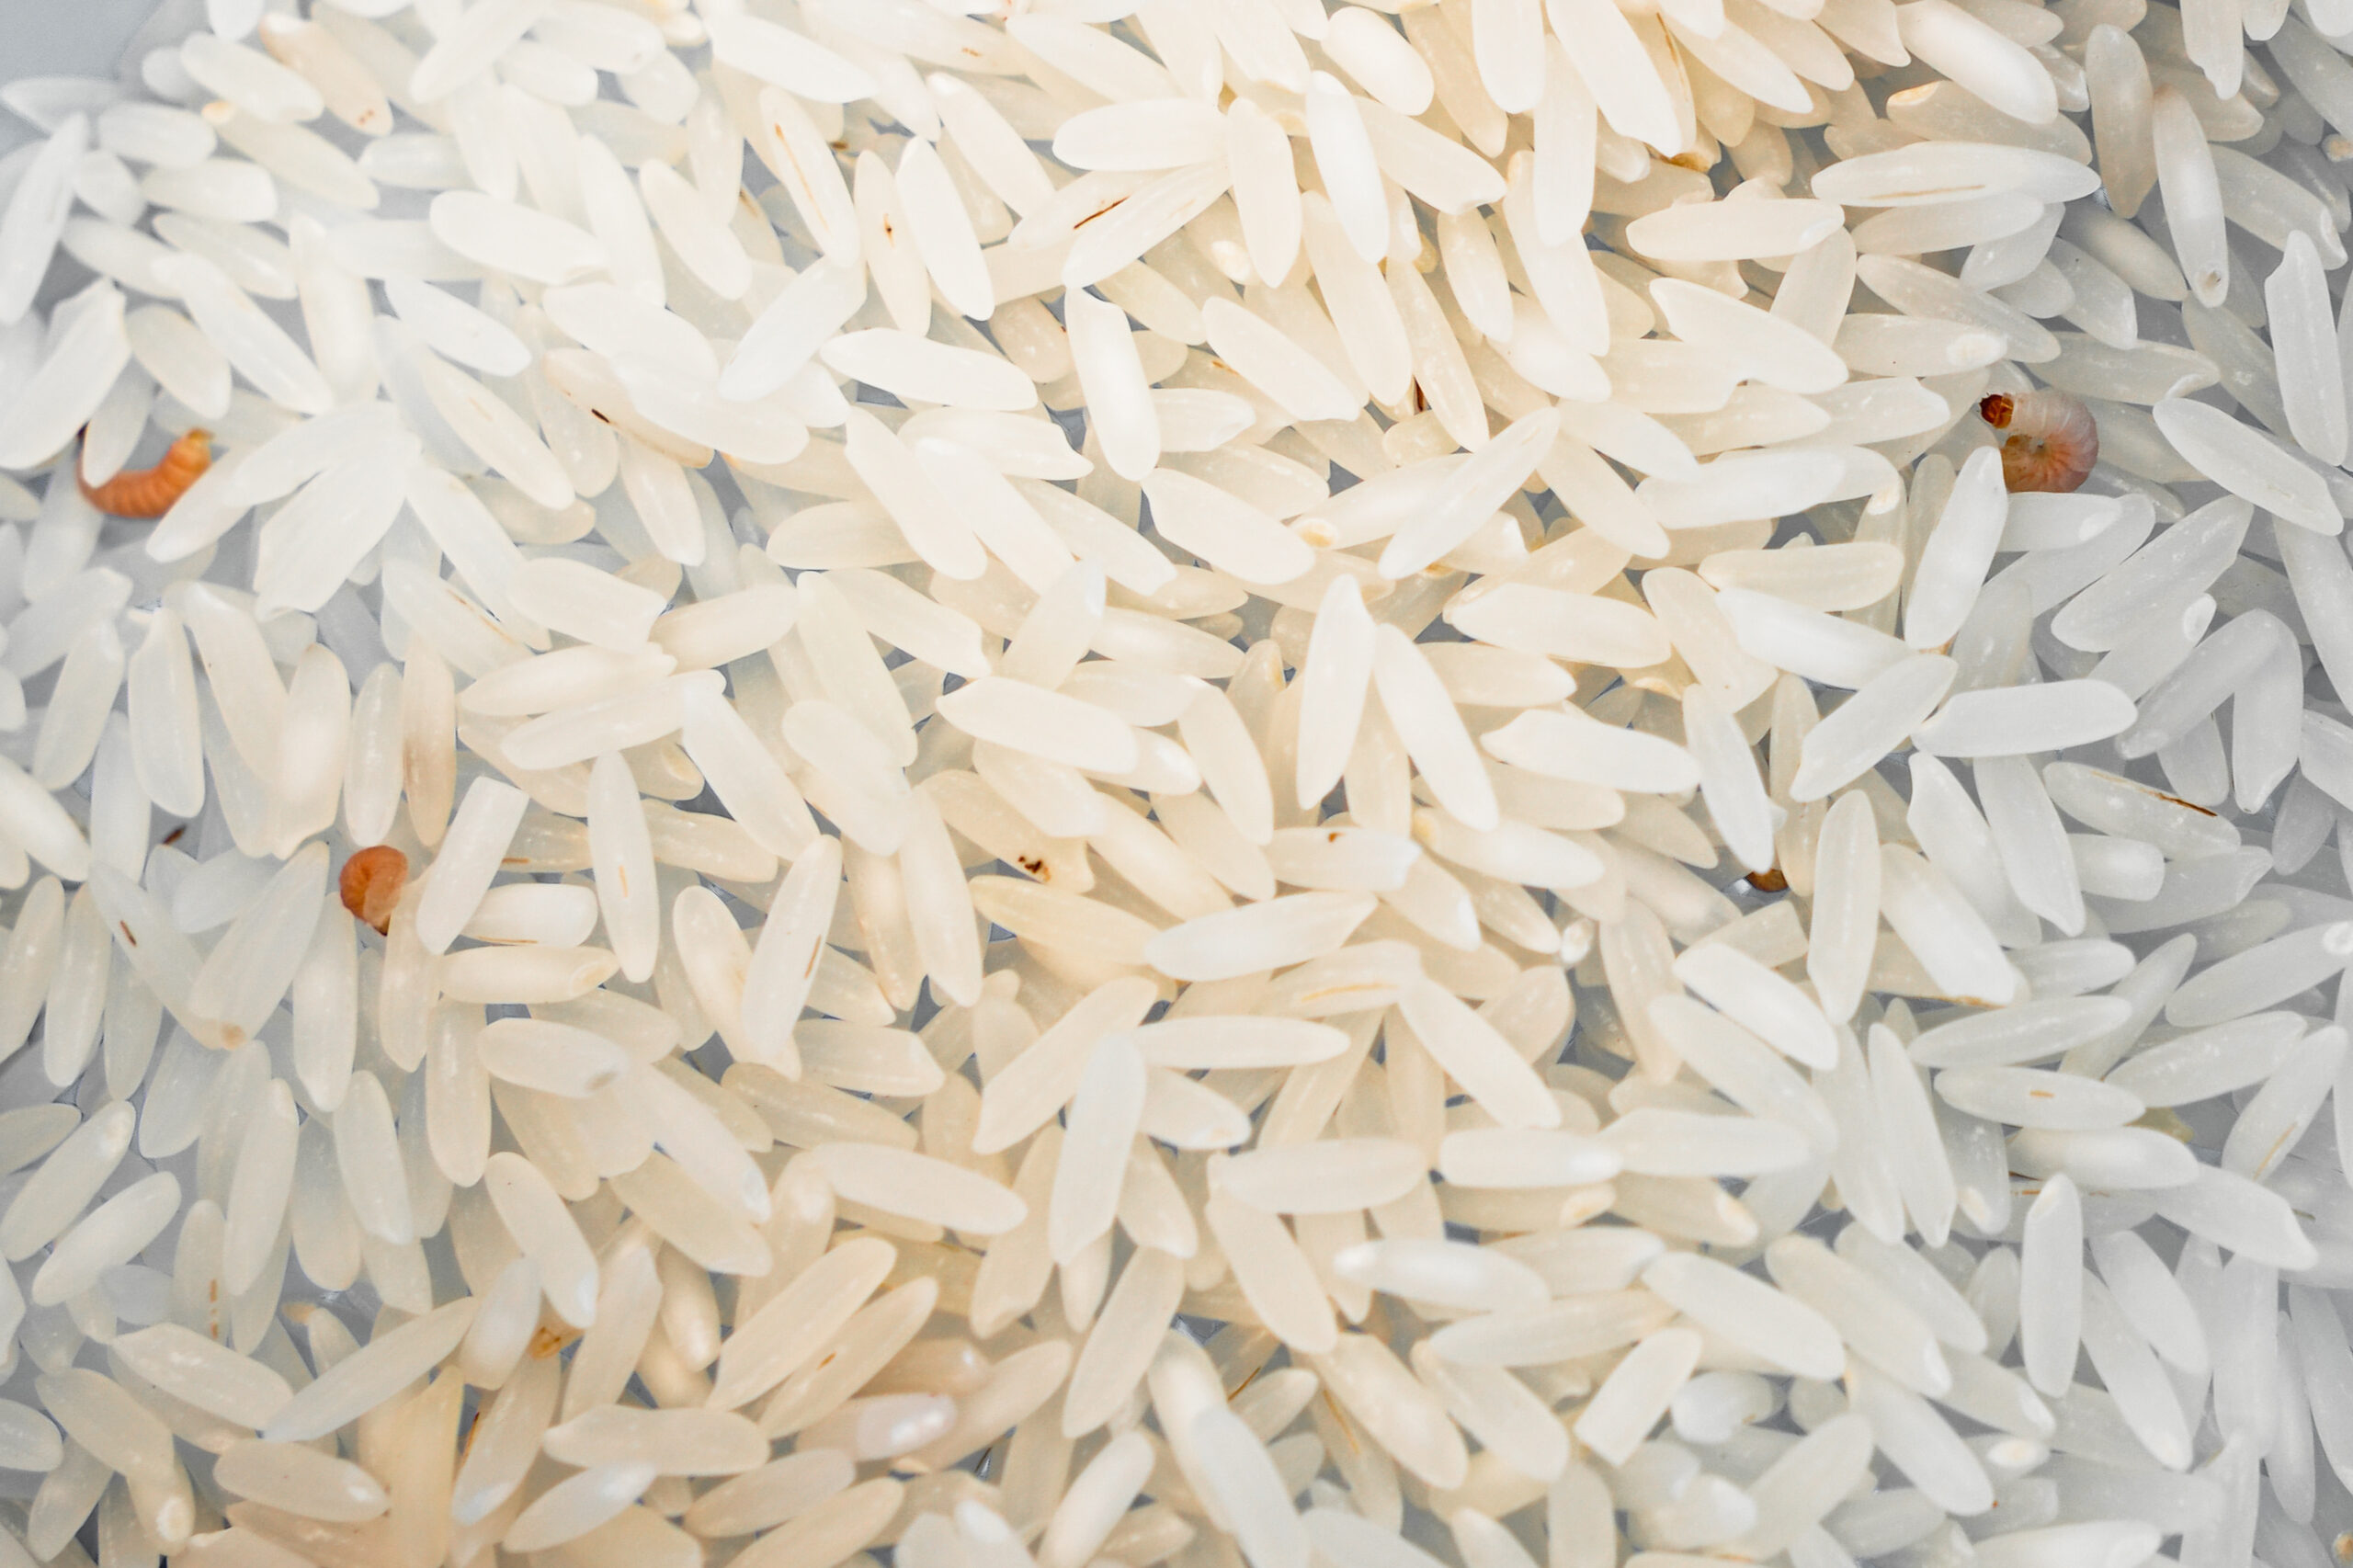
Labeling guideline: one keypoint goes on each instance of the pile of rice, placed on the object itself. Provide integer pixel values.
(1212, 782)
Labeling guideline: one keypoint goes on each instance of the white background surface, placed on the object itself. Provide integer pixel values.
(50, 37)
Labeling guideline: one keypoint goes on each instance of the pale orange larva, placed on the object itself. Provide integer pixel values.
(150, 491)
(2048, 442)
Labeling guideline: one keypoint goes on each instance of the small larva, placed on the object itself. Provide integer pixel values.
(150, 491)
(2050, 440)
(372, 882)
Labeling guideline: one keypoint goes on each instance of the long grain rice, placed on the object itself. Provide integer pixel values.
(1174, 797)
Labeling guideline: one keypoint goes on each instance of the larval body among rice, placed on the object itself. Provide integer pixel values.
(1115, 782)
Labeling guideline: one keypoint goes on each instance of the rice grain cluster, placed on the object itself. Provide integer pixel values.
(1226, 783)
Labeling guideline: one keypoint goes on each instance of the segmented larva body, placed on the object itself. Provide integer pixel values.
(150, 491)
(2050, 440)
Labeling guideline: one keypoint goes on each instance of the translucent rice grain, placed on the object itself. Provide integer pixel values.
(2025, 1097)
(1223, 529)
(253, 345)
(302, 1481)
(471, 853)
(1275, 364)
(2051, 1286)
(1889, 706)
(930, 521)
(70, 383)
(368, 1155)
(363, 1379)
(2193, 199)
(183, 360)
(1731, 231)
(100, 1415)
(1922, 1446)
(1259, 156)
(1750, 1313)
(258, 1189)
(109, 1237)
(2281, 1113)
(536, 1216)
(1736, 795)
(36, 213)
(915, 369)
(1471, 495)
(777, 983)
(2249, 464)
(1631, 1400)
(1381, 61)
(2252, 979)
(1236, 1472)
(1782, 1015)
(191, 1367)
(920, 1186)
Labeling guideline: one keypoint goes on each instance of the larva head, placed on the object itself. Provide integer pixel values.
(1996, 410)
(188, 458)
